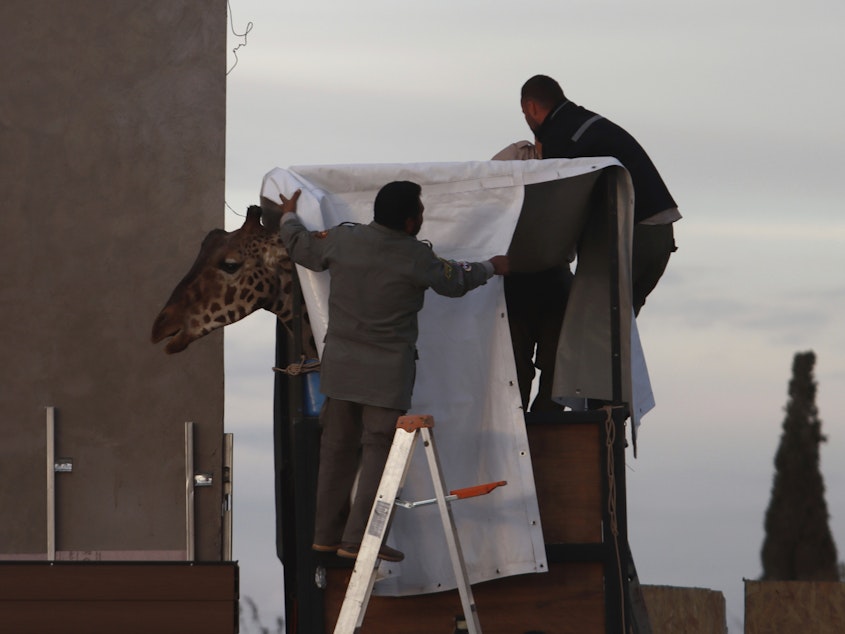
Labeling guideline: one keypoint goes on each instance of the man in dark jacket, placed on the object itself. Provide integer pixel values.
(379, 275)
(566, 130)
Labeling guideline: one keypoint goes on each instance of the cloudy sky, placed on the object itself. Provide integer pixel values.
(739, 104)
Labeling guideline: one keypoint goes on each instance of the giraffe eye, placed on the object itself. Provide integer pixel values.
(229, 266)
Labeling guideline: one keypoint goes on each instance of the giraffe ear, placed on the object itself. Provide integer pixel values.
(272, 213)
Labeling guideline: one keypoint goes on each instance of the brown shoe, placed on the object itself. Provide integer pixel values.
(320, 548)
(385, 553)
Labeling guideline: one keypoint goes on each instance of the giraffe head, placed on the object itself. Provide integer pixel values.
(235, 274)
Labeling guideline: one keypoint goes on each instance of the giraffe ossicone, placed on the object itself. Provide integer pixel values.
(235, 274)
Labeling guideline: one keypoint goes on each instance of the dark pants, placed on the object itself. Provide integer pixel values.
(536, 305)
(350, 431)
(652, 246)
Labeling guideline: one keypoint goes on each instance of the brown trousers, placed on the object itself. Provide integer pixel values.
(352, 433)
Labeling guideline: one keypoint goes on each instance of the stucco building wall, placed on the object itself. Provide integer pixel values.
(112, 140)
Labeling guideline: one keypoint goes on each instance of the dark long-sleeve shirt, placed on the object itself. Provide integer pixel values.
(571, 131)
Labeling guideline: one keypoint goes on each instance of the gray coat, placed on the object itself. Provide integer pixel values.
(378, 281)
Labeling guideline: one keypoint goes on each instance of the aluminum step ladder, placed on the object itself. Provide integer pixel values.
(408, 430)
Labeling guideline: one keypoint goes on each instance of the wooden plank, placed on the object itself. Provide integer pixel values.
(567, 475)
(126, 617)
(569, 599)
(773, 607)
(104, 581)
(689, 610)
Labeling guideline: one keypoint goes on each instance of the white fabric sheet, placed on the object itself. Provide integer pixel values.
(466, 377)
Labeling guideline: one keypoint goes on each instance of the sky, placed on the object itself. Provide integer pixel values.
(739, 105)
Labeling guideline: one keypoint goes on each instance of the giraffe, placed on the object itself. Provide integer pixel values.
(235, 274)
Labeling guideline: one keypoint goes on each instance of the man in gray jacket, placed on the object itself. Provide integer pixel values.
(379, 275)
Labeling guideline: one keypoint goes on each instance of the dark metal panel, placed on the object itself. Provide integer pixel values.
(297, 455)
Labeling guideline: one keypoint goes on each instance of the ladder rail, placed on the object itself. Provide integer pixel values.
(361, 583)
(408, 430)
(450, 530)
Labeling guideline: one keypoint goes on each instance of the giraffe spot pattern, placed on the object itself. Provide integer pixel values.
(208, 298)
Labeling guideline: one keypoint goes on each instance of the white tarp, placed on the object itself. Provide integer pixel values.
(466, 377)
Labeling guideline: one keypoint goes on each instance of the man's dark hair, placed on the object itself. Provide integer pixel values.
(544, 90)
(396, 202)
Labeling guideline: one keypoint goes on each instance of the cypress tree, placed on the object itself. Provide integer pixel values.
(798, 543)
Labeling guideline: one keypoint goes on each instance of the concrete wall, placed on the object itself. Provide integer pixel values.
(112, 140)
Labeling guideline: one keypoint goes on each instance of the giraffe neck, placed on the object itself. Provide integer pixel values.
(283, 309)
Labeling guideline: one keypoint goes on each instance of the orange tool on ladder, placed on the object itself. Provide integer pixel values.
(408, 430)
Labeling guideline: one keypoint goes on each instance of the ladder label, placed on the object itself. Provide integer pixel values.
(379, 520)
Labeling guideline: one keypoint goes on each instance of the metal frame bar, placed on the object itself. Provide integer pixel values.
(228, 494)
(51, 483)
(297, 448)
(615, 541)
(189, 493)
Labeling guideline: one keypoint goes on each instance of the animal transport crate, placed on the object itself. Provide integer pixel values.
(585, 591)
(578, 459)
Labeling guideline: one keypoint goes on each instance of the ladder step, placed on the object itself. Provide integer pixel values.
(456, 494)
(478, 489)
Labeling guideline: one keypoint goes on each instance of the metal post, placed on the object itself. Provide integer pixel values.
(613, 434)
(228, 501)
(611, 178)
(633, 615)
(189, 491)
(51, 483)
(297, 443)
